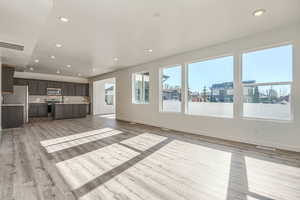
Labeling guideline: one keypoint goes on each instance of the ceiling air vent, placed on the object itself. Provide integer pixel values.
(11, 46)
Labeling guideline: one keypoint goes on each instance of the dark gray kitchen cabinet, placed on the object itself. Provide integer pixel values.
(7, 79)
(42, 87)
(54, 84)
(20, 81)
(81, 90)
(32, 110)
(78, 90)
(33, 87)
(79, 110)
(43, 110)
(12, 116)
(38, 110)
(69, 111)
(39, 87)
(87, 90)
(65, 89)
(68, 89)
(82, 110)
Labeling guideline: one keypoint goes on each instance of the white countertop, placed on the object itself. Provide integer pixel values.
(11, 104)
(73, 103)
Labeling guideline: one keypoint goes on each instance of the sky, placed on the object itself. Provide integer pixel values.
(269, 65)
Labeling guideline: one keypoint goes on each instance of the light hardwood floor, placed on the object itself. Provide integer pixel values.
(101, 158)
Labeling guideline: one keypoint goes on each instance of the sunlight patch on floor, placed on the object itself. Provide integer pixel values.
(179, 170)
(251, 198)
(144, 141)
(74, 143)
(110, 116)
(82, 169)
(273, 180)
(45, 143)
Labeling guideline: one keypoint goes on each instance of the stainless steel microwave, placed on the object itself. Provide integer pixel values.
(54, 92)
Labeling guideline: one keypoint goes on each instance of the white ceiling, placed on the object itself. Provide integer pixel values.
(100, 30)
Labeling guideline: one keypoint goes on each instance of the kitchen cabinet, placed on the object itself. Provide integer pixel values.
(33, 87)
(87, 90)
(7, 79)
(12, 116)
(39, 87)
(68, 111)
(81, 90)
(78, 90)
(68, 89)
(42, 87)
(54, 84)
(20, 81)
(38, 110)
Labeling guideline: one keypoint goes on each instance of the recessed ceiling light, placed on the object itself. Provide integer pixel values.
(58, 72)
(53, 57)
(64, 19)
(68, 66)
(31, 69)
(156, 14)
(79, 74)
(148, 50)
(259, 12)
(58, 45)
(36, 61)
(93, 69)
(116, 59)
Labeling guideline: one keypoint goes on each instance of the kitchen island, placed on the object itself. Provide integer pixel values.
(69, 110)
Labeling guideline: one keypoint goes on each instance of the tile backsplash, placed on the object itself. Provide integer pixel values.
(66, 99)
(76, 99)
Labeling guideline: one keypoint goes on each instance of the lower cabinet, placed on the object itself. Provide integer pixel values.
(38, 110)
(12, 116)
(68, 111)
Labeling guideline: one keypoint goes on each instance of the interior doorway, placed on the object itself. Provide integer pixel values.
(104, 97)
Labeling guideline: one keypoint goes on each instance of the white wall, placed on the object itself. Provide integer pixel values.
(0, 92)
(99, 105)
(285, 135)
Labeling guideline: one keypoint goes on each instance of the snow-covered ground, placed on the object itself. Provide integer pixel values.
(255, 110)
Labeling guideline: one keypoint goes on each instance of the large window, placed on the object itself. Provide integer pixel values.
(171, 89)
(140, 83)
(109, 93)
(210, 87)
(267, 80)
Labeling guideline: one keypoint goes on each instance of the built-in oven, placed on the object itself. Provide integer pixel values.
(54, 92)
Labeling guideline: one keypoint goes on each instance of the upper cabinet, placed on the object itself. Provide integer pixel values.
(54, 84)
(39, 87)
(81, 90)
(20, 81)
(7, 79)
(33, 87)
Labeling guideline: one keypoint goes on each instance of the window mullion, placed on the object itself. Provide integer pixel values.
(238, 87)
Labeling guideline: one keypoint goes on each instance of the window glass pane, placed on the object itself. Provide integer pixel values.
(267, 101)
(269, 65)
(210, 87)
(141, 88)
(109, 93)
(146, 87)
(171, 89)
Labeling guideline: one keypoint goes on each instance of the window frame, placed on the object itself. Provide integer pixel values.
(160, 90)
(186, 64)
(113, 95)
(291, 83)
(133, 100)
